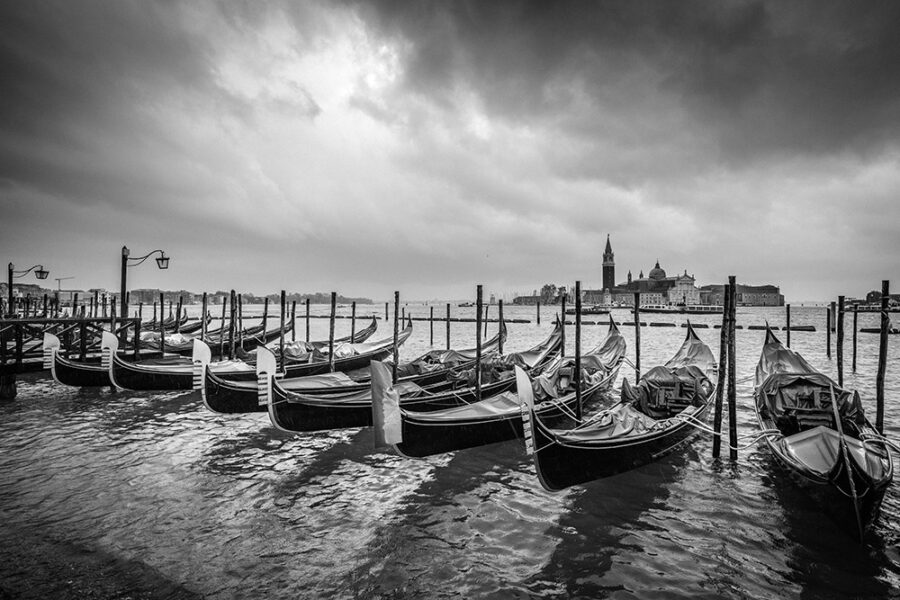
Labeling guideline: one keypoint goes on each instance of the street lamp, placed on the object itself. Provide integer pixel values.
(162, 261)
(39, 271)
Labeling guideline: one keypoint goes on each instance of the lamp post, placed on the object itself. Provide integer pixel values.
(39, 272)
(162, 261)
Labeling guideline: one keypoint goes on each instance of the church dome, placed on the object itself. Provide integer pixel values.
(656, 272)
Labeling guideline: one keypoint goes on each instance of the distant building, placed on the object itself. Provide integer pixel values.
(747, 295)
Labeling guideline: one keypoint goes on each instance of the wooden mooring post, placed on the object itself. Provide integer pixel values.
(732, 366)
(280, 325)
(448, 326)
(162, 327)
(232, 325)
(352, 321)
(307, 320)
(478, 300)
(723, 369)
(563, 321)
(293, 320)
(840, 341)
(500, 325)
(222, 328)
(396, 335)
(578, 408)
(637, 337)
(331, 333)
(855, 315)
(538, 312)
(431, 324)
(828, 332)
(882, 356)
(787, 328)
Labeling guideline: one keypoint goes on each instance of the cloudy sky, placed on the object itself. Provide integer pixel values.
(430, 146)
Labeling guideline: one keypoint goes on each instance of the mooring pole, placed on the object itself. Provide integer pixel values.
(331, 333)
(500, 326)
(280, 325)
(486, 308)
(396, 334)
(563, 310)
(352, 321)
(840, 341)
(240, 327)
(882, 356)
(448, 326)
(578, 408)
(827, 332)
(637, 337)
(162, 326)
(222, 328)
(178, 316)
(293, 320)
(385, 311)
(307, 320)
(787, 312)
(431, 324)
(478, 300)
(265, 315)
(855, 314)
(203, 322)
(723, 370)
(732, 365)
(233, 323)
(538, 312)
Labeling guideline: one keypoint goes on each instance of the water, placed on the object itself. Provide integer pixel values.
(230, 507)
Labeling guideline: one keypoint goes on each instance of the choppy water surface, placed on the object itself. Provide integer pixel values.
(230, 507)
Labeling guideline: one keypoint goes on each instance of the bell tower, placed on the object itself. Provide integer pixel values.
(609, 267)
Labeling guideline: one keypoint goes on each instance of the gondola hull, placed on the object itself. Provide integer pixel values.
(422, 437)
(561, 466)
(160, 375)
(832, 494)
(79, 374)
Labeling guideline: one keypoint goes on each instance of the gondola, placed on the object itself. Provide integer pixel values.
(183, 344)
(227, 395)
(498, 418)
(297, 411)
(820, 434)
(78, 373)
(652, 419)
(168, 372)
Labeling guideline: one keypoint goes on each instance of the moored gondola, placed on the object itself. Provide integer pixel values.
(78, 373)
(498, 418)
(168, 372)
(228, 395)
(820, 434)
(652, 419)
(299, 411)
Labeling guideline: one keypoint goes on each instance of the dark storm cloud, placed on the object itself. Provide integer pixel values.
(720, 81)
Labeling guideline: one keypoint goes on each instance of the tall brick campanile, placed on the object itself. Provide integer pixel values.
(609, 267)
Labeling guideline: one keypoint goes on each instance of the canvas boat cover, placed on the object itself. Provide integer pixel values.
(788, 386)
(819, 450)
(303, 352)
(325, 380)
(683, 381)
(558, 379)
(404, 388)
(620, 421)
(499, 406)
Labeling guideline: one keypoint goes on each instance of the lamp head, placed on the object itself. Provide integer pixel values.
(162, 261)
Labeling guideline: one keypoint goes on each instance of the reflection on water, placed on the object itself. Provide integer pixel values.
(229, 506)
